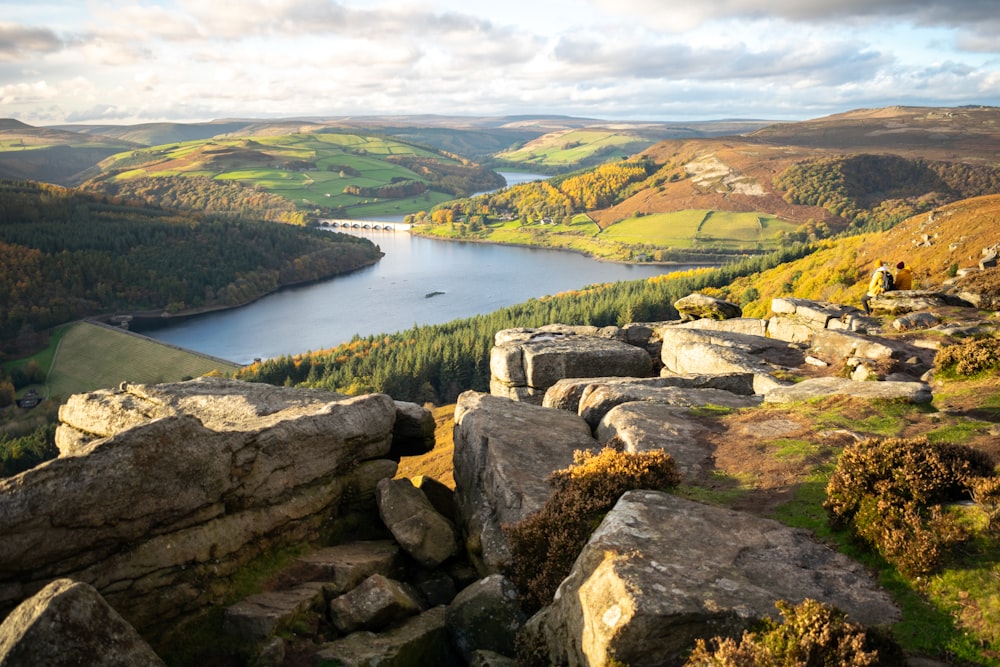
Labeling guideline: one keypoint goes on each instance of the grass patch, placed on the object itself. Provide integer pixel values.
(87, 356)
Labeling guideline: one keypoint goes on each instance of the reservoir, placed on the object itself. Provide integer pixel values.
(419, 281)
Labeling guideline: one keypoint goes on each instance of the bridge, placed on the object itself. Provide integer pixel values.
(364, 224)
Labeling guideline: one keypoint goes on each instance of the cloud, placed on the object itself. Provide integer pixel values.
(18, 42)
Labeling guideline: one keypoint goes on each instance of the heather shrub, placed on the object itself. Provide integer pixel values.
(890, 492)
(971, 357)
(812, 635)
(546, 543)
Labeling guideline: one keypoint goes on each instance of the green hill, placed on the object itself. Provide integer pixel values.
(325, 173)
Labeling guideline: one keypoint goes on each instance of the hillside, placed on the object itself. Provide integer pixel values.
(50, 154)
(933, 244)
(864, 170)
(67, 255)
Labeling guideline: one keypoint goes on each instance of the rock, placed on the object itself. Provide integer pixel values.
(421, 530)
(691, 351)
(566, 394)
(486, 616)
(750, 326)
(599, 399)
(922, 320)
(913, 392)
(504, 452)
(376, 603)
(491, 659)
(523, 368)
(644, 426)
(442, 497)
(153, 514)
(835, 346)
(344, 566)
(661, 571)
(700, 306)
(413, 431)
(898, 302)
(420, 640)
(258, 617)
(68, 624)
(817, 314)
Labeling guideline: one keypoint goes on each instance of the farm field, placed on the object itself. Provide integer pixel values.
(701, 228)
(89, 356)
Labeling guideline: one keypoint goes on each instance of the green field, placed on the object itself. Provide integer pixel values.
(307, 169)
(85, 356)
(701, 228)
(573, 148)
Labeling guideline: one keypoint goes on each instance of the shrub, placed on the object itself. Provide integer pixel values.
(546, 543)
(973, 356)
(812, 635)
(889, 494)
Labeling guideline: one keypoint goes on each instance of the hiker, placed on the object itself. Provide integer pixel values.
(903, 278)
(880, 282)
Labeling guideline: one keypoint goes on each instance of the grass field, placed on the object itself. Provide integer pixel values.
(690, 228)
(85, 356)
(575, 147)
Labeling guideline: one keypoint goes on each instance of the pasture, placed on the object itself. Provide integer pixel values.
(702, 228)
(84, 356)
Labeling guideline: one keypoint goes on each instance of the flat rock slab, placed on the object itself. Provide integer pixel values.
(597, 402)
(661, 571)
(258, 617)
(420, 640)
(566, 393)
(914, 392)
(344, 566)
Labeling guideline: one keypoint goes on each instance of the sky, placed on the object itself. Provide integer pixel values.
(655, 60)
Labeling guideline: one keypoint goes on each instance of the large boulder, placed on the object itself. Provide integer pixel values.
(176, 486)
(504, 452)
(697, 351)
(643, 426)
(486, 616)
(701, 306)
(423, 532)
(661, 571)
(374, 604)
(68, 624)
(524, 366)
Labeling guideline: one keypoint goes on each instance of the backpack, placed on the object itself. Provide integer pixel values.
(887, 282)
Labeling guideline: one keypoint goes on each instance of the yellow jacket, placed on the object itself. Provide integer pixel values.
(904, 278)
(875, 284)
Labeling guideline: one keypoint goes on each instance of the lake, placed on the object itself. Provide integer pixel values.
(419, 281)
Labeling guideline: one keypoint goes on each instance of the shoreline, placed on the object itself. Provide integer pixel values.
(699, 263)
(150, 318)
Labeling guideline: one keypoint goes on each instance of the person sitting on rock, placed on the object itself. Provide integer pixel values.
(903, 278)
(881, 281)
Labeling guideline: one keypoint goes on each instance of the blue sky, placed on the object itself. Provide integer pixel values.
(196, 60)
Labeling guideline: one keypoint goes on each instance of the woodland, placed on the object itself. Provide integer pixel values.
(67, 254)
